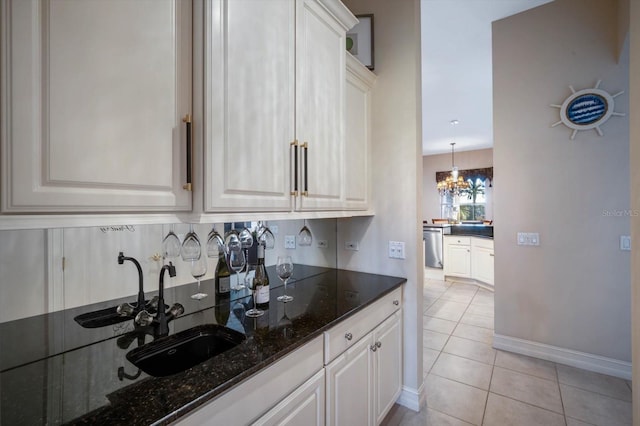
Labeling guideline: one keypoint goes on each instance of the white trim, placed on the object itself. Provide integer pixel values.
(413, 399)
(586, 361)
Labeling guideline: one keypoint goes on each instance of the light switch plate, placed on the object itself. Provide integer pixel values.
(528, 239)
(396, 249)
(351, 245)
(322, 244)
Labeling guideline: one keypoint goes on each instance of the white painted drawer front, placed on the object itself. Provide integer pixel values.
(348, 332)
(463, 241)
(483, 242)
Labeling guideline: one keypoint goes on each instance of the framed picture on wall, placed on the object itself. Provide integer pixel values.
(360, 40)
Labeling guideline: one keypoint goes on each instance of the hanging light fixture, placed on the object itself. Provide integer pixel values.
(454, 183)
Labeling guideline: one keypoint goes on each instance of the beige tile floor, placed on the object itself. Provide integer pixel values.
(469, 382)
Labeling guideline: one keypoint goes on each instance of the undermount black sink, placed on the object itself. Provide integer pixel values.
(181, 351)
(101, 318)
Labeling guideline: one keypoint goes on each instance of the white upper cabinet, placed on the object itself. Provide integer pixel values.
(360, 82)
(320, 104)
(93, 96)
(249, 109)
(274, 99)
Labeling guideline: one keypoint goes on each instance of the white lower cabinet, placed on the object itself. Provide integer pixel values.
(482, 260)
(457, 256)
(469, 257)
(304, 407)
(360, 381)
(365, 380)
(387, 362)
(263, 394)
(350, 386)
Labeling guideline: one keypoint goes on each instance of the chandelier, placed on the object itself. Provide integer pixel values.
(454, 184)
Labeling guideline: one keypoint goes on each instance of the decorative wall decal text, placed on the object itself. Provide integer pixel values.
(117, 228)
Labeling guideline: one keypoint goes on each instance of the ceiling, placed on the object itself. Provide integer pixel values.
(456, 71)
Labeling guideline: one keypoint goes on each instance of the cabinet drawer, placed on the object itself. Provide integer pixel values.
(454, 240)
(344, 335)
(483, 242)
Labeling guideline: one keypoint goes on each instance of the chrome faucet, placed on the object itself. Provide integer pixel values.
(161, 321)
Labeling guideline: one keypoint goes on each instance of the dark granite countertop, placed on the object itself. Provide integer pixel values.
(53, 371)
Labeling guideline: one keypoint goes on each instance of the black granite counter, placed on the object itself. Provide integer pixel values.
(472, 230)
(53, 371)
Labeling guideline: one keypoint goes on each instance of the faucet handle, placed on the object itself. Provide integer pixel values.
(153, 303)
(176, 310)
(125, 310)
(144, 318)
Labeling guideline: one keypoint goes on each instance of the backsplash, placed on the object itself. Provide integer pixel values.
(54, 269)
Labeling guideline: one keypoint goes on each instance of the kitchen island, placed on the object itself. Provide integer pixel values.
(54, 371)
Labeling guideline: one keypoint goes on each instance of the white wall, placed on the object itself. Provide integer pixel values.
(397, 169)
(573, 290)
(442, 162)
(634, 119)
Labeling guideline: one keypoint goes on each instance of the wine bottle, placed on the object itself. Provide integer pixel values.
(261, 280)
(222, 275)
(223, 308)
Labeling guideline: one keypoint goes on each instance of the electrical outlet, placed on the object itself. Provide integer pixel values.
(289, 241)
(625, 242)
(351, 245)
(273, 229)
(322, 244)
(396, 249)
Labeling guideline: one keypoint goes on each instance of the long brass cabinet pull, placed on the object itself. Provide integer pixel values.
(294, 144)
(305, 192)
(189, 186)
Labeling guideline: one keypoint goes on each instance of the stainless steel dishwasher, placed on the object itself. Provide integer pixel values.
(432, 235)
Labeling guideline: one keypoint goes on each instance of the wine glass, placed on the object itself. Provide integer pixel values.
(236, 262)
(285, 323)
(198, 270)
(190, 246)
(254, 312)
(215, 244)
(232, 241)
(246, 242)
(171, 245)
(265, 236)
(284, 269)
(304, 236)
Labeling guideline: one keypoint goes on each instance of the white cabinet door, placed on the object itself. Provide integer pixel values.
(349, 396)
(93, 96)
(304, 407)
(320, 100)
(358, 134)
(388, 365)
(482, 264)
(249, 83)
(458, 260)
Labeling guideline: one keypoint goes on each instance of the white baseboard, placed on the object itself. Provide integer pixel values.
(412, 399)
(586, 361)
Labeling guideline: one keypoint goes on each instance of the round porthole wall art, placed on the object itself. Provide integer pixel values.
(587, 109)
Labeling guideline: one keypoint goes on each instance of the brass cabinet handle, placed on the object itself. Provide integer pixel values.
(396, 302)
(348, 336)
(305, 193)
(373, 348)
(294, 144)
(378, 344)
(189, 186)
(491, 254)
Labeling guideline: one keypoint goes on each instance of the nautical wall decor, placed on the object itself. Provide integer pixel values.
(587, 109)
